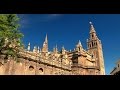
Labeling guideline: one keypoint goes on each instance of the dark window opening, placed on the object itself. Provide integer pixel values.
(92, 44)
(41, 69)
(92, 55)
(92, 36)
(31, 68)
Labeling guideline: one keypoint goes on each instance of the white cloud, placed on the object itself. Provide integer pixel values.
(53, 16)
(23, 20)
(48, 17)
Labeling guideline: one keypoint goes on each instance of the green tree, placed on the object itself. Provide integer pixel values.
(10, 36)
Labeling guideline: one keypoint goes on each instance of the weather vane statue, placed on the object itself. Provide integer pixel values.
(90, 23)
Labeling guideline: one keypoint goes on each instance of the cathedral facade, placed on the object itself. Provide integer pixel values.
(64, 62)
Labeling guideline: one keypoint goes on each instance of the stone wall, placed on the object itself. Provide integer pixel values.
(27, 67)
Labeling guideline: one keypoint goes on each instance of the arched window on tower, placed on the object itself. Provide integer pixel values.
(79, 48)
(92, 36)
(92, 44)
(92, 55)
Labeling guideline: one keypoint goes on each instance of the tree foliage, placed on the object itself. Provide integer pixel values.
(10, 36)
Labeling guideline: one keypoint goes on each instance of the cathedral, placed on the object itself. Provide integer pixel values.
(40, 61)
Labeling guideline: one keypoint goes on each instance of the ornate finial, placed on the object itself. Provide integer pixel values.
(28, 46)
(29, 43)
(56, 48)
(80, 43)
(63, 47)
(56, 45)
(63, 50)
(92, 29)
(34, 49)
(38, 49)
(53, 49)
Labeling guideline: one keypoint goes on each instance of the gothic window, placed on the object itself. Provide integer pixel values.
(96, 43)
(31, 68)
(118, 65)
(92, 35)
(41, 70)
(92, 55)
(92, 44)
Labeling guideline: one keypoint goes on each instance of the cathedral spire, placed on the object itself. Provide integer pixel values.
(93, 34)
(63, 50)
(79, 46)
(45, 45)
(55, 49)
(95, 48)
(79, 43)
(92, 29)
(46, 40)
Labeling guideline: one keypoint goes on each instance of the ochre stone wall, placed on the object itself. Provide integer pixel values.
(26, 67)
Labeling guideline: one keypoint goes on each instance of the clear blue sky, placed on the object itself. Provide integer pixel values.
(67, 29)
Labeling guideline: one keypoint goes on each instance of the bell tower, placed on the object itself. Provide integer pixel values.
(94, 46)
